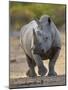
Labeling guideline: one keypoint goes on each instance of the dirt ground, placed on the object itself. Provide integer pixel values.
(18, 64)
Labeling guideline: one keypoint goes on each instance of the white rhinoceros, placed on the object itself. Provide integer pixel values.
(40, 40)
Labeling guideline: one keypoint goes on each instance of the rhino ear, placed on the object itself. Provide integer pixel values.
(38, 22)
(49, 20)
(34, 37)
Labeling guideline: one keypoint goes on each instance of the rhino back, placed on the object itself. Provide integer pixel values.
(26, 36)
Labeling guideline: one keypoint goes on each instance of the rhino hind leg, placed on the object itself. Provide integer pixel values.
(31, 72)
(52, 62)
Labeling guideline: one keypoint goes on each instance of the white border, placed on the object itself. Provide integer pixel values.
(44, 1)
(4, 43)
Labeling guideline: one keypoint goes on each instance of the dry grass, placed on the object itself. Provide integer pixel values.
(38, 81)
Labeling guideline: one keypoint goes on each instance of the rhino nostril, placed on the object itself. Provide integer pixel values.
(42, 50)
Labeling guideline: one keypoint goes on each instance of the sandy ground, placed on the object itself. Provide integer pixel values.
(18, 64)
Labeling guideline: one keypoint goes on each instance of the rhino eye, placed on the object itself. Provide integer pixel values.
(39, 33)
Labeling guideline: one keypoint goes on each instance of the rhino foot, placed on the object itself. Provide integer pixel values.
(52, 74)
(42, 71)
(31, 73)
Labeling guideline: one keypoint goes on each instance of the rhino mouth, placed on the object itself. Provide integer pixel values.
(39, 51)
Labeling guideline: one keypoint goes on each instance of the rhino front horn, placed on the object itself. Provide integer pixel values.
(34, 37)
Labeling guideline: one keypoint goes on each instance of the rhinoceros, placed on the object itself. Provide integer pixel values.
(40, 40)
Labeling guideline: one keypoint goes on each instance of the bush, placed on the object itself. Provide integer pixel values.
(22, 13)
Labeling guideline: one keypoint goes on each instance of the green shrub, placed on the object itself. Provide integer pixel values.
(22, 13)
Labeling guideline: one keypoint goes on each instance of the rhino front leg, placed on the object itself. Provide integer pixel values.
(41, 69)
(52, 63)
(31, 64)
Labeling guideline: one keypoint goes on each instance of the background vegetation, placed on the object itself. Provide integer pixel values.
(22, 13)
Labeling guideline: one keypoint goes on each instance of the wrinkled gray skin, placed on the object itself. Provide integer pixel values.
(40, 41)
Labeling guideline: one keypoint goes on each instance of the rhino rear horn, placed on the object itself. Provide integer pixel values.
(34, 37)
(49, 20)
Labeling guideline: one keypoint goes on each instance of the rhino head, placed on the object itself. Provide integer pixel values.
(42, 38)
